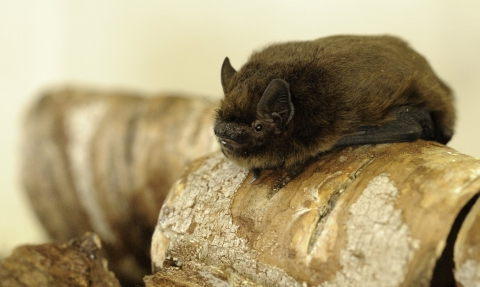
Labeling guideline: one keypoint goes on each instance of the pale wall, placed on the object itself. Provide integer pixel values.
(153, 45)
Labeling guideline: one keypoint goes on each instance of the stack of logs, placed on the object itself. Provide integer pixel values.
(400, 214)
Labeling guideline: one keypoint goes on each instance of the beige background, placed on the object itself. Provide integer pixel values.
(154, 45)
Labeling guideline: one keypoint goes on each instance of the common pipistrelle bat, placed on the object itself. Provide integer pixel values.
(293, 101)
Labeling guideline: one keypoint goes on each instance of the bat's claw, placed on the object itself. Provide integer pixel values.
(256, 174)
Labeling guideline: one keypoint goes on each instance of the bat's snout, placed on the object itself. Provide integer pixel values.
(229, 131)
(230, 136)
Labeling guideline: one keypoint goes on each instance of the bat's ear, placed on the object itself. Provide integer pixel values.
(227, 73)
(276, 103)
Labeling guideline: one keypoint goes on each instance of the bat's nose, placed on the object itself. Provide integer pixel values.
(228, 131)
(220, 130)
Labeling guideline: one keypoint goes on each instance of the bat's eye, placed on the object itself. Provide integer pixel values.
(258, 127)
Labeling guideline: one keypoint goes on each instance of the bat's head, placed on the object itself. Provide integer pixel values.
(252, 119)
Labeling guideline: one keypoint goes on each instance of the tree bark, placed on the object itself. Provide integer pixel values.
(103, 161)
(360, 216)
(78, 263)
(467, 249)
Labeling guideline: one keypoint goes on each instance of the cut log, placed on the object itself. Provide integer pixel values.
(360, 216)
(78, 263)
(104, 161)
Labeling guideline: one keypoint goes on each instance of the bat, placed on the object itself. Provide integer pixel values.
(293, 101)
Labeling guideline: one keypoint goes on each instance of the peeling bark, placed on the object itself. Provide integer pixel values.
(360, 216)
(78, 263)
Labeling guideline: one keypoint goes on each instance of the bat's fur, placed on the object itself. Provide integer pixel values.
(337, 84)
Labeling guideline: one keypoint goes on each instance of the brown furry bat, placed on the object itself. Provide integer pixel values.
(291, 102)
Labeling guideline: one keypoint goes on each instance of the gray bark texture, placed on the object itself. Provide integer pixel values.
(360, 216)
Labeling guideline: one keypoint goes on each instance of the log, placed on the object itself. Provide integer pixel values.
(103, 161)
(77, 263)
(377, 215)
(467, 249)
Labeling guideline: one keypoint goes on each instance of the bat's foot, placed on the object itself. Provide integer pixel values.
(256, 174)
(291, 174)
(421, 117)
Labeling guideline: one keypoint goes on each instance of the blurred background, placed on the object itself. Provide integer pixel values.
(152, 46)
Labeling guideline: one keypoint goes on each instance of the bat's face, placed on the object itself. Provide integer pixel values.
(247, 130)
(241, 139)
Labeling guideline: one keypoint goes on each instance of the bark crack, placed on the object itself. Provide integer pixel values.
(327, 208)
